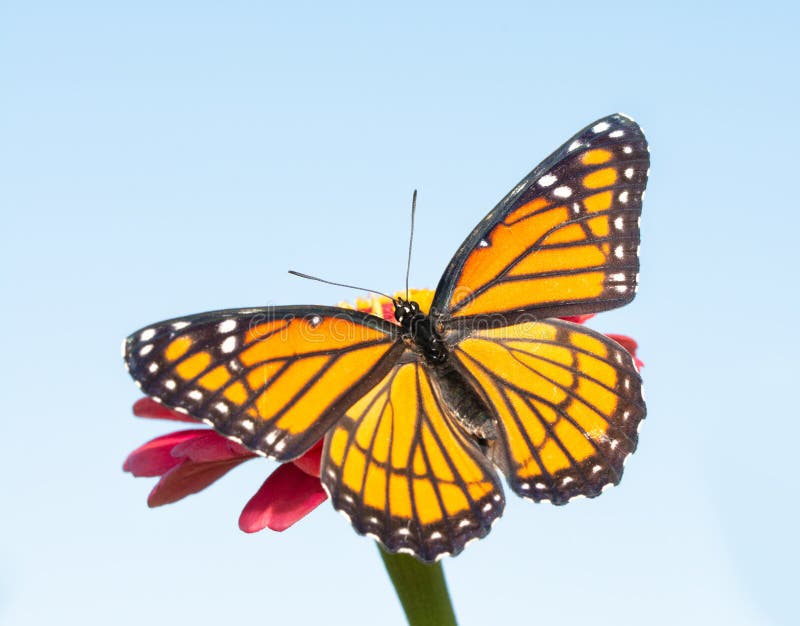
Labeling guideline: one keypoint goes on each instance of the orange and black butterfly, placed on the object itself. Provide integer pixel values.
(418, 415)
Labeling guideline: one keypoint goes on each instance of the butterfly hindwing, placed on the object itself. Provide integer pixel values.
(564, 241)
(274, 378)
(567, 400)
(402, 471)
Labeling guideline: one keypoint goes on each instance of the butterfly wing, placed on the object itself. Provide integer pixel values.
(568, 403)
(275, 378)
(403, 473)
(564, 241)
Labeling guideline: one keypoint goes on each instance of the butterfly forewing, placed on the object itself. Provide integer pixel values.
(562, 242)
(274, 378)
(402, 471)
(568, 403)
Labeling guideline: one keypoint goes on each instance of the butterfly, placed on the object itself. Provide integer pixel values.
(418, 416)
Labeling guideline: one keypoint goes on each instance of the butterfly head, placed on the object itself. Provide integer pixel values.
(419, 331)
(405, 310)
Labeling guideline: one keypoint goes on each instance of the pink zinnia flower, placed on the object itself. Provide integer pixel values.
(188, 461)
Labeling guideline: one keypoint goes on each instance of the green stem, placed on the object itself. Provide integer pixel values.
(421, 588)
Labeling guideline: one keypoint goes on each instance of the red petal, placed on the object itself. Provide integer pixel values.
(287, 496)
(629, 344)
(311, 460)
(155, 457)
(578, 319)
(147, 407)
(211, 447)
(188, 478)
(387, 312)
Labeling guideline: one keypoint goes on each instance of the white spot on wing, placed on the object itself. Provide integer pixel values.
(600, 127)
(170, 384)
(248, 425)
(562, 192)
(574, 145)
(221, 407)
(623, 197)
(152, 368)
(629, 172)
(619, 251)
(146, 349)
(229, 345)
(619, 223)
(226, 326)
(547, 180)
(180, 325)
(616, 133)
(627, 149)
(195, 395)
(147, 334)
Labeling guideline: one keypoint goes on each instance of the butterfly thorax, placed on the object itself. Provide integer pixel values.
(419, 331)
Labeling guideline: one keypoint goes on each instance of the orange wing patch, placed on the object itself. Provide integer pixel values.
(564, 241)
(274, 379)
(568, 403)
(404, 473)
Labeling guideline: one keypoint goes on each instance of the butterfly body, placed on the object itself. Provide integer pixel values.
(421, 334)
(419, 415)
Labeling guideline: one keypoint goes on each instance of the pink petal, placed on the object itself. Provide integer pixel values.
(578, 319)
(210, 447)
(155, 457)
(629, 344)
(147, 407)
(287, 496)
(188, 478)
(311, 460)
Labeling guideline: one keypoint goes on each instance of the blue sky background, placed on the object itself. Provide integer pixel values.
(159, 159)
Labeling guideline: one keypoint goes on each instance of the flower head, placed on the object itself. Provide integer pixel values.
(188, 461)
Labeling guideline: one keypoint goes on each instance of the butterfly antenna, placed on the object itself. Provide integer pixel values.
(411, 238)
(330, 282)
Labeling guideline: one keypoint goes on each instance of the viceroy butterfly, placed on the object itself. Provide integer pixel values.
(417, 415)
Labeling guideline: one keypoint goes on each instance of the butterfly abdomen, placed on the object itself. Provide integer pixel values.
(465, 406)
